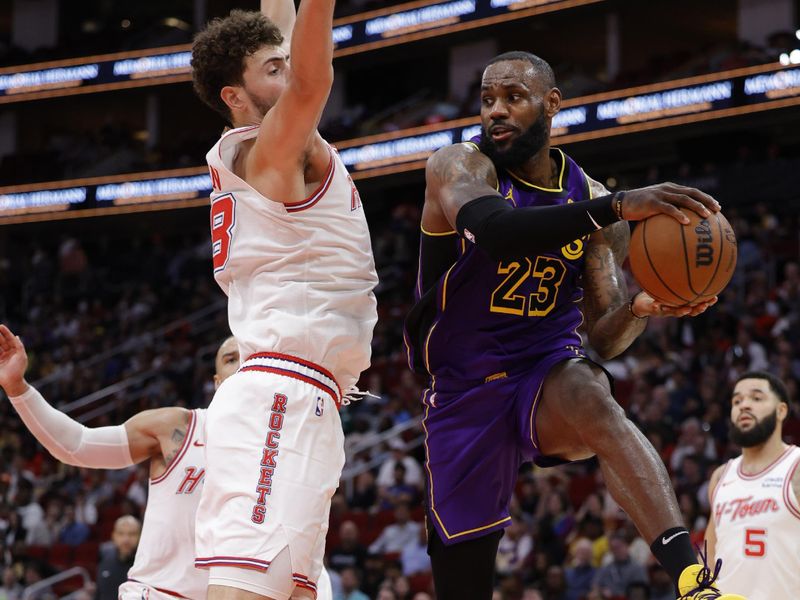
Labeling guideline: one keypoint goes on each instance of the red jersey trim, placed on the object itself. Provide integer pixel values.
(787, 487)
(304, 582)
(293, 207)
(298, 360)
(231, 561)
(766, 469)
(293, 375)
(719, 484)
(232, 131)
(182, 452)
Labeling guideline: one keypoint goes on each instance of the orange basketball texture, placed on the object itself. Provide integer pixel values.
(683, 264)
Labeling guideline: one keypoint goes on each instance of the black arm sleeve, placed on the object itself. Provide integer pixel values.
(507, 233)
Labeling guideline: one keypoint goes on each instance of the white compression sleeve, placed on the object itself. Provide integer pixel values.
(69, 441)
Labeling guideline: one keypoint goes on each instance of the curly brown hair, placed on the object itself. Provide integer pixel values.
(219, 52)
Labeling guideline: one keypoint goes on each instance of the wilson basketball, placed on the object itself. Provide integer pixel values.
(683, 264)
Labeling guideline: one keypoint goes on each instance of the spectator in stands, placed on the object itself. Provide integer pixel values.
(554, 586)
(515, 546)
(45, 532)
(528, 498)
(614, 578)
(35, 572)
(386, 593)
(117, 557)
(31, 513)
(386, 474)
(398, 535)
(365, 493)
(401, 588)
(414, 557)
(11, 588)
(374, 574)
(85, 509)
(555, 523)
(350, 553)
(580, 574)
(14, 532)
(350, 586)
(399, 491)
(693, 440)
(72, 532)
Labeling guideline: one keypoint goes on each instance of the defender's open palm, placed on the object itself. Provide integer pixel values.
(13, 362)
(667, 198)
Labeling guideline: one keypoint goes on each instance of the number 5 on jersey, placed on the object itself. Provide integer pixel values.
(755, 542)
(222, 222)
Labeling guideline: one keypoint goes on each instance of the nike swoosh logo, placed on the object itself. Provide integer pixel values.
(665, 540)
(198, 444)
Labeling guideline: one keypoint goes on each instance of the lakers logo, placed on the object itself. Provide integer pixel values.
(574, 250)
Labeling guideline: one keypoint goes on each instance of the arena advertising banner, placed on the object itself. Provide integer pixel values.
(655, 106)
(669, 104)
(359, 33)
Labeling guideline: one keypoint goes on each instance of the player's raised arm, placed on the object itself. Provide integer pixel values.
(283, 14)
(67, 440)
(290, 128)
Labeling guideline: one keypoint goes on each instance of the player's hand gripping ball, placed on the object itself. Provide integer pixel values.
(681, 265)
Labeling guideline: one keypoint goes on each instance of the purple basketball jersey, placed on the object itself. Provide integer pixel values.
(493, 319)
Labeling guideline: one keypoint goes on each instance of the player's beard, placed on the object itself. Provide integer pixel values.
(523, 148)
(757, 434)
(262, 106)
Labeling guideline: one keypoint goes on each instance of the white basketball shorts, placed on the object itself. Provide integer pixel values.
(133, 590)
(274, 453)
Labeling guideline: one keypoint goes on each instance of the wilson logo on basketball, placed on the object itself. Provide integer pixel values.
(705, 249)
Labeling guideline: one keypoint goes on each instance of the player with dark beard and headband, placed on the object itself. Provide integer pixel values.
(755, 498)
(495, 328)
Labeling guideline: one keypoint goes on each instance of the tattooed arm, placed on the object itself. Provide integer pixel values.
(610, 324)
(454, 176)
(157, 435)
(613, 320)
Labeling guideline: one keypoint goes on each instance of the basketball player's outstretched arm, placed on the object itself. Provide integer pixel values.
(461, 194)
(288, 140)
(153, 434)
(283, 14)
(611, 324)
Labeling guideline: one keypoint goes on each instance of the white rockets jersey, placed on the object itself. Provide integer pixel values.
(757, 520)
(165, 556)
(299, 277)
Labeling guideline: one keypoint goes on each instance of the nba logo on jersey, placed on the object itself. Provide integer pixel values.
(320, 405)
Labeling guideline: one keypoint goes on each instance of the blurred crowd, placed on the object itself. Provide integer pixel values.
(138, 317)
